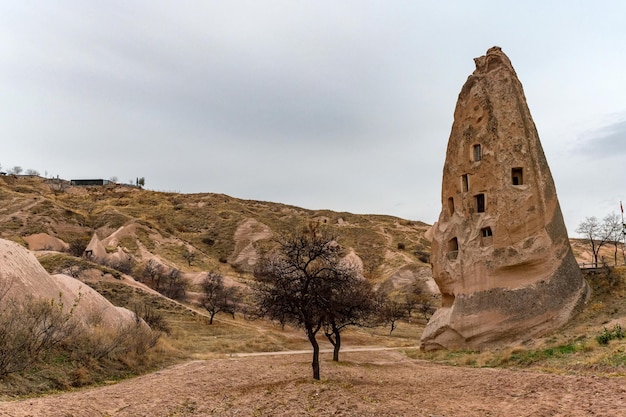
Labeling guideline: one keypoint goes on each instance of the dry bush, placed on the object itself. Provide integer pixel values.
(154, 318)
(104, 342)
(30, 329)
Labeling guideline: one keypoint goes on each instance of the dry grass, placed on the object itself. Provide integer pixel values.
(206, 221)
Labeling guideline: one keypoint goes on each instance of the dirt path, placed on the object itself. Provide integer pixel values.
(379, 383)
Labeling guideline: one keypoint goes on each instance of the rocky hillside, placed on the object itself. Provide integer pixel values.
(196, 232)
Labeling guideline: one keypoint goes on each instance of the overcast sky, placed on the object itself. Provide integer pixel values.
(342, 105)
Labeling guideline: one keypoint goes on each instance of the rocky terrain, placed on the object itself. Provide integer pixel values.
(365, 384)
(206, 371)
(124, 224)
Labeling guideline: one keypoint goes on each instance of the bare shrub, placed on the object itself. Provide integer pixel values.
(77, 246)
(125, 265)
(113, 342)
(174, 285)
(74, 270)
(151, 316)
(30, 329)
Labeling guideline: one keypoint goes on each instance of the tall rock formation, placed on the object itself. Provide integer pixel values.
(500, 251)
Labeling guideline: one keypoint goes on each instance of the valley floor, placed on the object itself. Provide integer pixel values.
(375, 383)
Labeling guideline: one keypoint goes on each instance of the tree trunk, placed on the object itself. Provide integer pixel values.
(334, 337)
(336, 345)
(211, 318)
(316, 353)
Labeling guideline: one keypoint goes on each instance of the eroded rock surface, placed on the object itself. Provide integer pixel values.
(500, 252)
(22, 277)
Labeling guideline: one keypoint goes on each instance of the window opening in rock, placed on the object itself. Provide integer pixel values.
(453, 248)
(486, 232)
(517, 175)
(480, 203)
(465, 182)
(478, 152)
(451, 205)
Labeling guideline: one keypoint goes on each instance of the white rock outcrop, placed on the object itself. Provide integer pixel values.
(22, 277)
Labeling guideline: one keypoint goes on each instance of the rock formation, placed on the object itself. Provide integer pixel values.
(500, 251)
(22, 277)
(43, 241)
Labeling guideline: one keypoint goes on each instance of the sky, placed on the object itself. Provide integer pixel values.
(340, 105)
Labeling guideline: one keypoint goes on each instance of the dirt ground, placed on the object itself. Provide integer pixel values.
(377, 383)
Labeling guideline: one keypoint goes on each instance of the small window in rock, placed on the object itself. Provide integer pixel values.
(478, 152)
(453, 248)
(486, 232)
(517, 175)
(480, 203)
(451, 205)
(465, 182)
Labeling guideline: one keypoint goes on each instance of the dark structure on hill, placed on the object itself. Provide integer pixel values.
(85, 182)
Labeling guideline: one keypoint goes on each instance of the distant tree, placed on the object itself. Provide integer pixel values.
(599, 233)
(390, 310)
(153, 270)
(32, 172)
(141, 181)
(612, 225)
(426, 307)
(189, 255)
(17, 170)
(216, 297)
(113, 179)
(411, 303)
(174, 285)
(298, 283)
(418, 300)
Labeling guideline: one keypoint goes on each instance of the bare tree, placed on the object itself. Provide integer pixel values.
(153, 271)
(218, 298)
(17, 170)
(418, 300)
(613, 227)
(596, 234)
(390, 310)
(353, 306)
(411, 303)
(189, 255)
(296, 284)
(174, 285)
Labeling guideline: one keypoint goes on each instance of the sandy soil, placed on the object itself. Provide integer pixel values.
(379, 383)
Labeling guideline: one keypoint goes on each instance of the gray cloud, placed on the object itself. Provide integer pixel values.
(605, 142)
(340, 105)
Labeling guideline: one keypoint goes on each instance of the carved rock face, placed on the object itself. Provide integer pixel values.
(500, 252)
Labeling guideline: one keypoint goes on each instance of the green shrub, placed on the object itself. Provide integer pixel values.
(607, 335)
